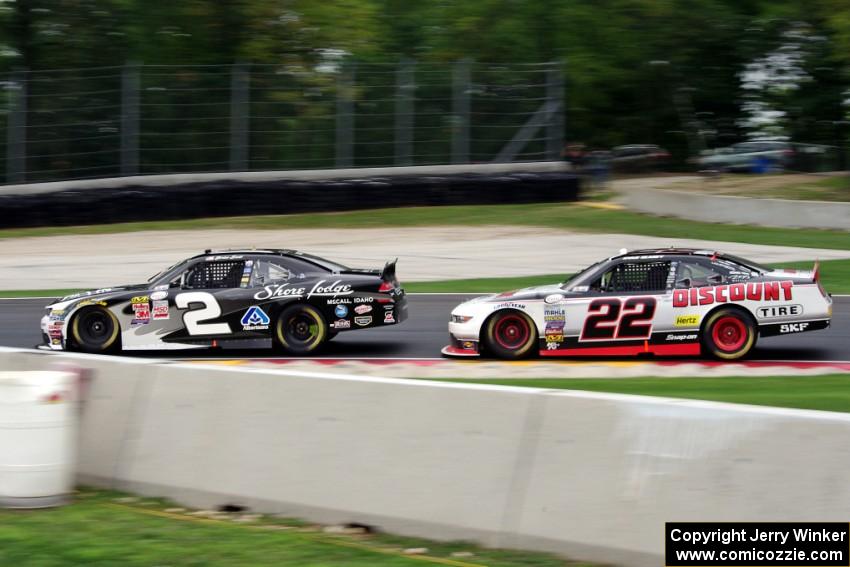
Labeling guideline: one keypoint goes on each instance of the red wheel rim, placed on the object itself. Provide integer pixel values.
(511, 332)
(729, 334)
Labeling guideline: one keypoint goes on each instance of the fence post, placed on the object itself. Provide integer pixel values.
(239, 116)
(404, 108)
(16, 130)
(555, 126)
(345, 116)
(460, 111)
(130, 84)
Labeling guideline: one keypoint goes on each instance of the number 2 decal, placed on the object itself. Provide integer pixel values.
(193, 319)
(612, 319)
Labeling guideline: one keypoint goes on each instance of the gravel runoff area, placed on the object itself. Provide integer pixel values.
(425, 253)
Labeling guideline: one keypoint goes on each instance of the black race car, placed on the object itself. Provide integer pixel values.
(233, 298)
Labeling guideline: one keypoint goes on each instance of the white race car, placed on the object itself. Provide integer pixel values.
(663, 301)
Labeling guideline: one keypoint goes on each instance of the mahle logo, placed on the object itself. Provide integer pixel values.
(255, 319)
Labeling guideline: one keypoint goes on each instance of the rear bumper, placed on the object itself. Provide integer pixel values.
(776, 329)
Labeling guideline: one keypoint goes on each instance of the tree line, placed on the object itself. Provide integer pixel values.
(685, 74)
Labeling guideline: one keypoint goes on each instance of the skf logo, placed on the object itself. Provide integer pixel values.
(779, 311)
(686, 321)
(759, 291)
(255, 319)
(793, 328)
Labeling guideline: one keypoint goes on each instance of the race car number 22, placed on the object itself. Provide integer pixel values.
(612, 318)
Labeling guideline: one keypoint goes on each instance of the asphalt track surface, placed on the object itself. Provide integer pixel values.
(424, 333)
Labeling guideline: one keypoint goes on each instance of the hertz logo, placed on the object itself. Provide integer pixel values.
(686, 320)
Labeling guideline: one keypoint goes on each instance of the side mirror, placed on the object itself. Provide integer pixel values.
(683, 283)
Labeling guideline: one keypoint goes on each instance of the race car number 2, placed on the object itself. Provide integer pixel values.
(611, 318)
(193, 319)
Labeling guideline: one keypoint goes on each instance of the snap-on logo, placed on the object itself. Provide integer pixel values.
(760, 291)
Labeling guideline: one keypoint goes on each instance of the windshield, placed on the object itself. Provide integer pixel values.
(580, 275)
(165, 271)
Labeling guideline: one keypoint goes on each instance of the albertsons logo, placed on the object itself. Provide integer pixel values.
(255, 319)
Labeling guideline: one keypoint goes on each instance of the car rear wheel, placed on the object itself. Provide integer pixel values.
(510, 335)
(729, 334)
(300, 329)
(95, 329)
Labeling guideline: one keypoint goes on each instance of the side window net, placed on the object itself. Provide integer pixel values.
(629, 277)
(215, 275)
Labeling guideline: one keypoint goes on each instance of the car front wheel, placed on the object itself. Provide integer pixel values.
(95, 329)
(510, 335)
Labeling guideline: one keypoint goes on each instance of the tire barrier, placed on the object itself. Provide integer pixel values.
(231, 196)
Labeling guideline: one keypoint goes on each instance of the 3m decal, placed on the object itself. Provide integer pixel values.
(141, 313)
(758, 291)
(193, 319)
(255, 319)
(614, 319)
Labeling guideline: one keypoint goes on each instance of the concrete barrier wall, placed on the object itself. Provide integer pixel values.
(592, 476)
(738, 210)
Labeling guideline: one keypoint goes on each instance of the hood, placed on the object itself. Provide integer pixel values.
(536, 292)
(95, 294)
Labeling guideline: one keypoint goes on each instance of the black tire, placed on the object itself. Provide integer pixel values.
(729, 334)
(300, 329)
(95, 329)
(510, 335)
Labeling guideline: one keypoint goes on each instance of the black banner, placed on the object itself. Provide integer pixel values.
(757, 544)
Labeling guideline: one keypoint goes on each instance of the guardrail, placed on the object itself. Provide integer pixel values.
(593, 476)
(738, 210)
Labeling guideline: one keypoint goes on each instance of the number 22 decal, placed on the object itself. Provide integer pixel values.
(192, 319)
(612, 319)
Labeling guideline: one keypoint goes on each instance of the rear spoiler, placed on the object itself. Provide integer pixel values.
(388, 273)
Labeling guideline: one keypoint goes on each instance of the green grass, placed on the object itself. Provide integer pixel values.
(569, 216)
(94, 531)
(829, 392)
(480, 285)
(835, 275)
